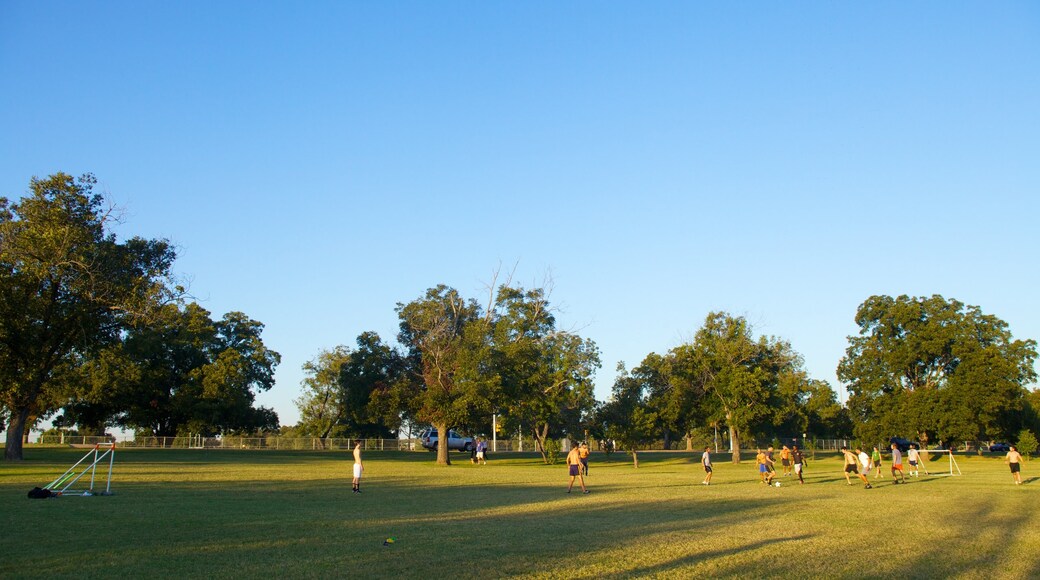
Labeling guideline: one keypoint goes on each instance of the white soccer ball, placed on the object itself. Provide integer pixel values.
(777, 484)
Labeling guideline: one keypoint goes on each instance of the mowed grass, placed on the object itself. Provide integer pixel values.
(243, 514)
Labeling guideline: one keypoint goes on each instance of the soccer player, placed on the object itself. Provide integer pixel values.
(358, 468)
(785, 460)
(583, 455)
(799, 462)
(875, 461)
(574, 469)
(706, 462)
(764, 474)
(850, 464)
(770, 464)
(864, 467)
(1014, 460)
(915, 457)
(897, 464)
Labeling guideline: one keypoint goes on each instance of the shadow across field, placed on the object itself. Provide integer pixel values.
(287, 514)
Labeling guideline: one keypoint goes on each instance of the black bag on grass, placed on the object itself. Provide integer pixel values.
(38, 493)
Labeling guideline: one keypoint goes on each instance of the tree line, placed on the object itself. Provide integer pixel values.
(925, 368)
(99, 330)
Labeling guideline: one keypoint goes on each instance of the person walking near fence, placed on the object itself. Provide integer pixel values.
(358, 468)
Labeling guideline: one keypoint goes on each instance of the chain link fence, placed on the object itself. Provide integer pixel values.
(279, 442)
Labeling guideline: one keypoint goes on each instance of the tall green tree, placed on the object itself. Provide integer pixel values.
(745, 380)
(181, 373)
(935, 369)
(448, 381)
(627, 418)
(545, 375)
(321, 403)
(67, 289)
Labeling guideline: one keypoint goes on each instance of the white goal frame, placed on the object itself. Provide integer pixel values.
(75, 473)
(955, 469)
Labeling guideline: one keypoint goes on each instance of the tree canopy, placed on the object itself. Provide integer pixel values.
(67, 288)
(181, 373)
(935, 369)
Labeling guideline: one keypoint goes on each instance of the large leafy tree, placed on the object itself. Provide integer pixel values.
(936, 369)
(181, 373)
(627, 418)
(321, 403)
(67, 289)
(342, 386)
(545, 374)
(449, 381)
(747, 383)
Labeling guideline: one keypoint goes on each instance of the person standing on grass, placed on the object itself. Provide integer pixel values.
(764, 472)
(864, 467)
(583, 455)
(482, 451)
(799, 463)
(850, 464)
(897, 464)
(574, 469)
(358, 468)
(915, 457)
(1014, 460)
(706, 463)
(770, 463)
(785, 460)
(875, 461)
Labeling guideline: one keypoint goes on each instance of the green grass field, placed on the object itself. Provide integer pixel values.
(208, 514)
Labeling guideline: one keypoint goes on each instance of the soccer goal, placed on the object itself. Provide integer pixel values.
(63, 484)
(926, 455)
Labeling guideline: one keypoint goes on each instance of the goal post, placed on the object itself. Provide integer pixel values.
(89, 463)
(927, 454)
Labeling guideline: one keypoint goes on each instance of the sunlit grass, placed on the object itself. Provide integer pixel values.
(213, 513)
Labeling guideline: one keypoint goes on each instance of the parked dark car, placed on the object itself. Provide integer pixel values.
(999, 448)
(903, 444)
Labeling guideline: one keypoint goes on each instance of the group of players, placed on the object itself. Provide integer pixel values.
(857, 463)
(793, 462)
(861, 464)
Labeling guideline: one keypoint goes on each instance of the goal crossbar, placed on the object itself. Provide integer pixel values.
(89, 463)
(954, 468)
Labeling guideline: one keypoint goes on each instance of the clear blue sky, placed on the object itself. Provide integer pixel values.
(317, 163)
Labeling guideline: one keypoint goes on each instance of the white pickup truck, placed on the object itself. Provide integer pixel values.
(429, 440)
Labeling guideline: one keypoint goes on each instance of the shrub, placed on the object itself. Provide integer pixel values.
(1026, 442)
(552, 451)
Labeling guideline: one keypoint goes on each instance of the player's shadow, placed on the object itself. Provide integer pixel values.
(1030, 480)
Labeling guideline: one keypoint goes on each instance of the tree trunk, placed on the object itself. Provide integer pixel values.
(734, 439)
(443, 457)
(635, 458)
(15, 431)
(689, 442)
(539, 439)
